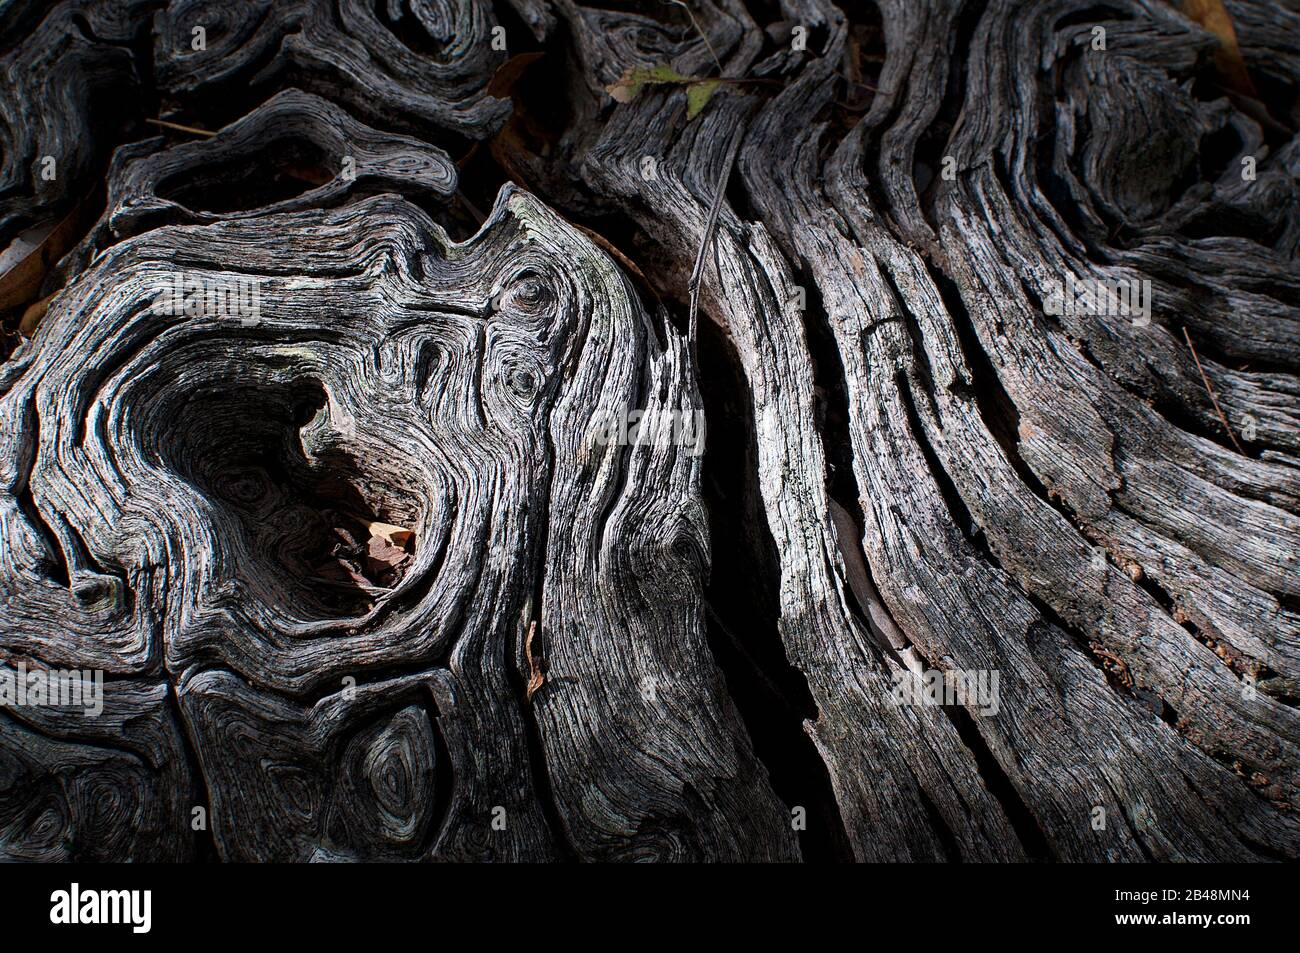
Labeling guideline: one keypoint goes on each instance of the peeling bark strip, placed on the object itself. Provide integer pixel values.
(358, 450)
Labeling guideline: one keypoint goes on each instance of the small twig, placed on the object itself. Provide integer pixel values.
(465, 159)
(697, 273)
(1210, 390)
(179, 128)
(853, 82)
(732, 80)
(702, 34)
(535, 676)
(351, 585)
(470, 207)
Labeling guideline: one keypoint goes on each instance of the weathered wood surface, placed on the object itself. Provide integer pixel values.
(428, 275)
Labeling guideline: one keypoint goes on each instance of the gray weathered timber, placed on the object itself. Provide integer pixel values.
(404, 288)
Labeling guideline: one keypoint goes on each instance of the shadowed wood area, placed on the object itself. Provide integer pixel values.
(730, 431)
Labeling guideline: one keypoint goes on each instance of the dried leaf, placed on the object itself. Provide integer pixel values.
(506, 146)
(1212, 15)
(343, 572)
(624, 91)
(382, 556)
(349, 541)
(32, 316)
(396, 535)
(504, 79)
(380, 548)
(23, 265)
(311, 174)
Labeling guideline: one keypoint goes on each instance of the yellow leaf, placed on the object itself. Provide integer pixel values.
(1212, 15)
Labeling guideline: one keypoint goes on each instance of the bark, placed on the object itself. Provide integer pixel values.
(423, 256)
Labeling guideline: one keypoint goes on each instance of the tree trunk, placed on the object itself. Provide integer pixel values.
(355, 430)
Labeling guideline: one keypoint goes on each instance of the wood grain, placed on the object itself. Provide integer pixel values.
(379, 295)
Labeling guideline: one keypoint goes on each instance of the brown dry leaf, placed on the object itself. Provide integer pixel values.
(32, 316)
(535, 676)
(1212, 15)
(23, 265)
(382, 557)
(309, 173)
(504, 79)
(508, 144)
(396, 535)
(505, 146)
(342, 572)
(348, 541)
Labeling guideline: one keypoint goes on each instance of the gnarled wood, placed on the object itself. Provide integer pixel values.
(310, 452)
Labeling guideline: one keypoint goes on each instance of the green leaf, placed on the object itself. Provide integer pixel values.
(698, 95)
(698, 91)
(664, 74)
(626, 89)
